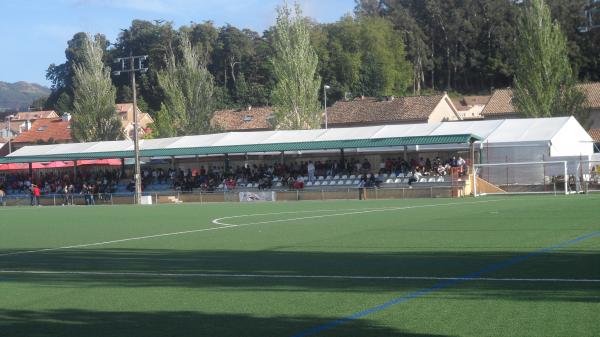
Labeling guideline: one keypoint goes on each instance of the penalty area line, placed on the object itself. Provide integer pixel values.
(225, 226)
(217, 221)
(284, 276)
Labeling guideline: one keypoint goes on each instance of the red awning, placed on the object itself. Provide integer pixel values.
(59, 164)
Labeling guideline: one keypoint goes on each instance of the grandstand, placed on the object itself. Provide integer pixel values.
(434, 156)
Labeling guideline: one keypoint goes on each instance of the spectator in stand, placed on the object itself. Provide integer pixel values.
(311, 170)
(416, 175)
(462, 164)
(2, 196)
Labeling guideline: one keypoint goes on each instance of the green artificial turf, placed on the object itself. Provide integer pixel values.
(435, 237)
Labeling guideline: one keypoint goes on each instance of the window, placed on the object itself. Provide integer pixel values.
(248, 118)
(42, 128)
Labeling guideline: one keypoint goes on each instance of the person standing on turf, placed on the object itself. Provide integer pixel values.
(2, 195)
(35, 195)
(361, 188)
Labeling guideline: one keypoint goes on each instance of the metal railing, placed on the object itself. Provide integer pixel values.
(168, 197)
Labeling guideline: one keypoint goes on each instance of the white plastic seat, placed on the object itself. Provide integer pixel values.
(341, 182)
(348, 182)
(392, 175)
(309, 183)
(344, 177)
(278, 184)
(325, 183)
(328, 178)
(317, 183)
(352, 176)
(239, 180)
(423, 180)
(398, 180)
(336, 177)
(389, 181)
(440, 179)
(431, 180)
(369, 175)
(401, 175)
(321, 178)
(405, 181)
(220, 186)
(275, 179)
(356, 182)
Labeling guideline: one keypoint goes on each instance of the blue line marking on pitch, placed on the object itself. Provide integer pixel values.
(442, 285)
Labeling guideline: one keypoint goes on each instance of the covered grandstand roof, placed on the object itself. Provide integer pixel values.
(491, 131)
(244, 142)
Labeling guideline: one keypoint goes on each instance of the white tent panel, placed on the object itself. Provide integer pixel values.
(33, 150)
(243, 138)
(72, 148)
(482, 129)
(406, 130)
(571, 139)
(159, 143)
(527, 130)
(123, 145)
(194, 141)
(349, 133)
(295, 136)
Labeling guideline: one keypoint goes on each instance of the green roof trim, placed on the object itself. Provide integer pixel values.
(276, 147)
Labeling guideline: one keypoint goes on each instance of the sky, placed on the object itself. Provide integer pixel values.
(34, 33)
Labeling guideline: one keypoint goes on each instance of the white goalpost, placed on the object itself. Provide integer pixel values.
(536, 177)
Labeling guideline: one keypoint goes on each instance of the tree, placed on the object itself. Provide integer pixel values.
(62, 76)
(295, 97)
(544, 81)
(94, 117)
(188, 88)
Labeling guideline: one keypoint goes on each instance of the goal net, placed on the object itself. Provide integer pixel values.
(523, 178)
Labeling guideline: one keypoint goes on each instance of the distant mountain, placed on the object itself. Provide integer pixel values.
(19, 96)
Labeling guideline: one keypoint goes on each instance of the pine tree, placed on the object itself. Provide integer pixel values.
(295, 97)
(94, 116)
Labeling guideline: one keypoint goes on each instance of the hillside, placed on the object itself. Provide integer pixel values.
(19, 95)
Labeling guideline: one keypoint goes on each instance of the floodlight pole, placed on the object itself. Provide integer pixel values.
(135, 65)
(325, 88)
(9, 133)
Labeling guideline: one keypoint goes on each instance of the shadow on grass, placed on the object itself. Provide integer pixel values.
(78, 323)
(564, 264)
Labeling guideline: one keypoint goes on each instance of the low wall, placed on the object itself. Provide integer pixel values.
(233, 196)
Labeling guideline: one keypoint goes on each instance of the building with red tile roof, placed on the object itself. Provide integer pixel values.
(45, 131)
(250, 118)
(374, 111)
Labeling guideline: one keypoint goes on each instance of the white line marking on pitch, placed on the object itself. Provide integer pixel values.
(284, 276)
(225, 226)
(369, 210)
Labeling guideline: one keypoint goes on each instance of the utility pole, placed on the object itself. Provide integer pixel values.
(9, 132)
(133, 64)
(325, 88)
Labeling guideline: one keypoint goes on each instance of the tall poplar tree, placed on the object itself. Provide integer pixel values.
(296, 93)
(188, 88)
(94, 114)
(544, 81)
